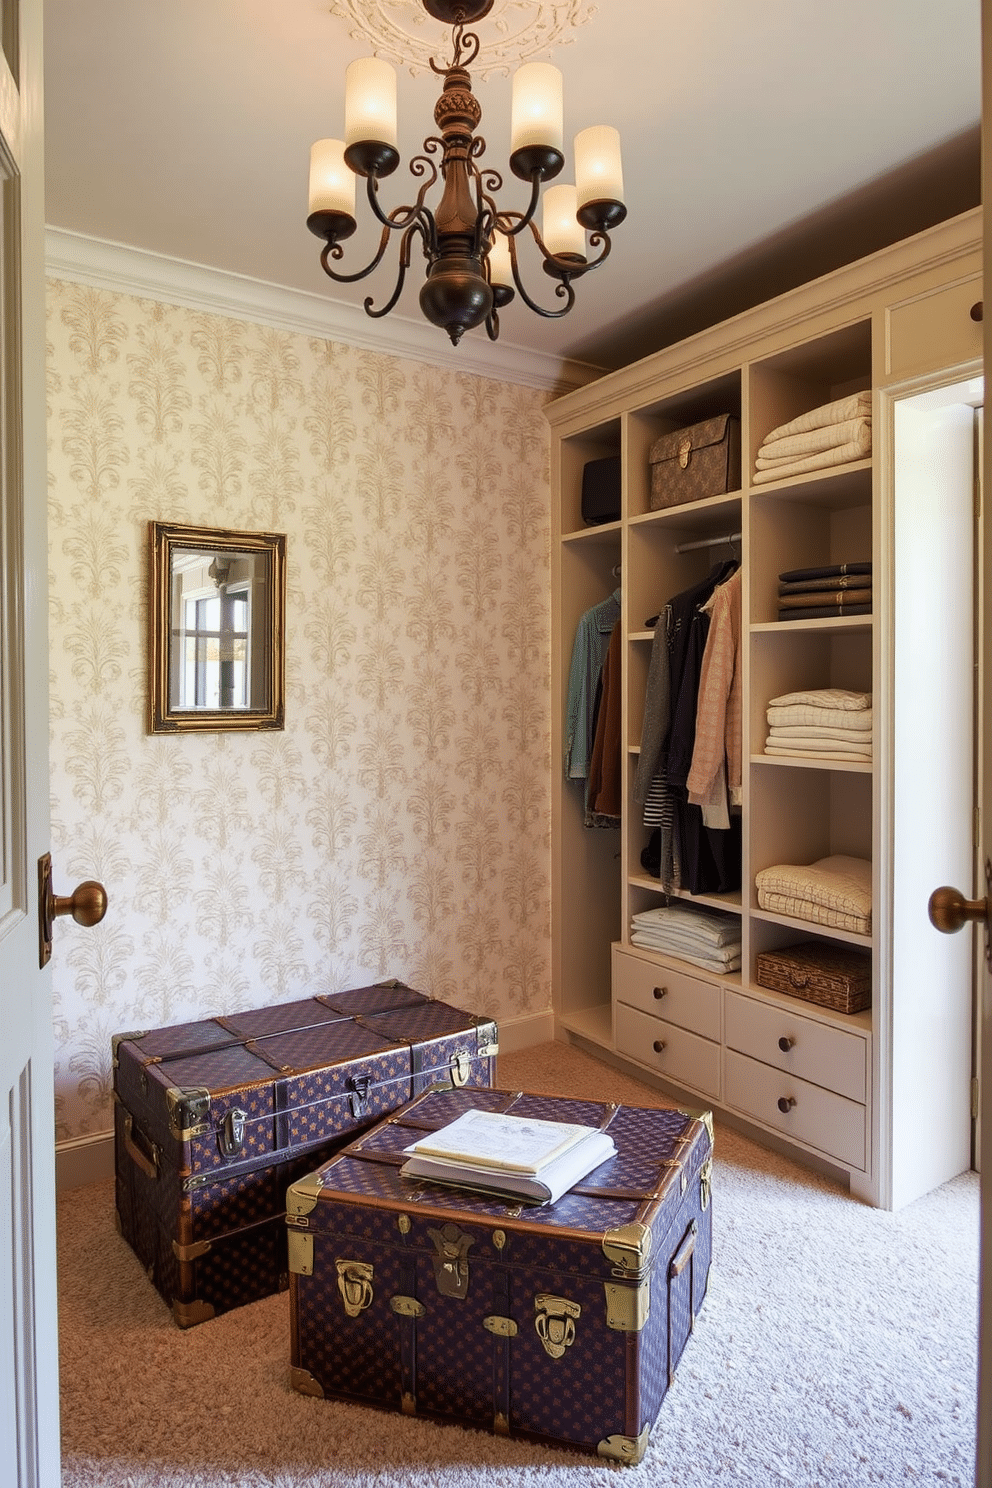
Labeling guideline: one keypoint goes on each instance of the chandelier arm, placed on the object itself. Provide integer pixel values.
(335, 250)
(521, 219)
(563, 289)
(402, 217)
(404, 264)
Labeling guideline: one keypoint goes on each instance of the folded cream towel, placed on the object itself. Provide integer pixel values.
(850, 754)
(841, 454)
(838, 882)
(816, 743)
(824, 697)
(705, 963)
(785, 733)
(714, 928)
(796, 445)
(855, 406)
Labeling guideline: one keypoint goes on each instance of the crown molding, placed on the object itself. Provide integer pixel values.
(125, 270)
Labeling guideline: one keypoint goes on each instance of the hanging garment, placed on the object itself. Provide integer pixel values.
(603, 789)
(592, 639)
(715, 773)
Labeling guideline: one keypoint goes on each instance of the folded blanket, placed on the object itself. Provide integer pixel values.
(825, 584)
(838, 454)
(783, 733)
(820, 740)
(795, 446)
(703, 962)
(819, 718)
(837, 885)
(711, 928)
(854, 406)
(841, 698)
(825, 612)
(817, 914)
(855, 756)
(813, 599)
(833, 570)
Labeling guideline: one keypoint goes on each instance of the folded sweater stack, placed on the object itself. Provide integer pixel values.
(705, 938)
(834, 434)
(823, 593)
(829, 723)
(834, 891)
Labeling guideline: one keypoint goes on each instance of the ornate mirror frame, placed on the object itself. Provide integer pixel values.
(217, 615)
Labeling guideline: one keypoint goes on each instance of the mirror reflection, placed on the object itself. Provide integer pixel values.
(217, 642)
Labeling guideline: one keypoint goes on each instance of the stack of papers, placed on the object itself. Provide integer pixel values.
(514, 1157)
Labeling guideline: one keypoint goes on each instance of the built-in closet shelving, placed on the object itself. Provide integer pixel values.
(825, 1083)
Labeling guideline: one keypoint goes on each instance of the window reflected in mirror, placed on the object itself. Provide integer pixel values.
(218, 601)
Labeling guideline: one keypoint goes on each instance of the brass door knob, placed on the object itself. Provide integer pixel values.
(949, 909)
(87, 905)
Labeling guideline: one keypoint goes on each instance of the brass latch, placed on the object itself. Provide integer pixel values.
(360, 1086)
(231, 1132)
(407, 1307)
(451, 1260)
(685, 451)
(461, 1068)
(503, 1327)
(555, 1322)
(354, 1283)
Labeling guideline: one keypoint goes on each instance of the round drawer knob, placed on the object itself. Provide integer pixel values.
(786, 1103)
(660, 1046)
(785, 1043)
(976, 310)
(660, 992)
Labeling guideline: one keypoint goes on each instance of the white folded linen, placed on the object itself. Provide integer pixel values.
(705, 963)
(824, 697)
(835, 890)
(819, 741)
(855, 405)
(669, 936)
(709, 927)
(795, 446)
(812, 752)
(838, 454)
(782, 733)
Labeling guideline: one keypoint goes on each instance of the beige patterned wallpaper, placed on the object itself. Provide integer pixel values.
(400, 824)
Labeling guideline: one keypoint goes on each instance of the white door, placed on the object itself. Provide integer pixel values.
(29, 1443)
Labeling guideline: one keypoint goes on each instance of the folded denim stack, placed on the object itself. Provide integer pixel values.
(706, 938)
(833, 434)
(824, 593)
(827, 723)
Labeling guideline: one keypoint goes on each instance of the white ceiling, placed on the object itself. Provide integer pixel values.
(751, 132)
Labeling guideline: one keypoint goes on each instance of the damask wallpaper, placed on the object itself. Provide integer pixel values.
(400, 824)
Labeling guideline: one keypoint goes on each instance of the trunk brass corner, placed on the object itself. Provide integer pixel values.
(302, 1195)
(188, 1314)
(299, 1244)
(629, 1449)
(627, 1307)
(303, 1381)
(628, 1247)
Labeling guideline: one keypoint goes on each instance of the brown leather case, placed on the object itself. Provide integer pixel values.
(693, 463)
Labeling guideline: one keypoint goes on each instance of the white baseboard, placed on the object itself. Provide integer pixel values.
(84, 1160)
(90, 1159)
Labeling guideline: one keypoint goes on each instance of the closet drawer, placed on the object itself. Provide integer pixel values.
(834, 1126)
(673, 1052)
(935, 330)
(668, 994)
(828, 1056)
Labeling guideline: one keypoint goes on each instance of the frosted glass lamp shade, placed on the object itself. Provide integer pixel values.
(500, 271)
(537, 111)
(332, 184)
(599, 178)
(563, 234)
(370, 102)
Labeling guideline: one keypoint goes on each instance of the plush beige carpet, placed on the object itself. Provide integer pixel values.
(836, 1347)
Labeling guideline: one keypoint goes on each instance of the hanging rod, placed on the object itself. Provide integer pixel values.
(708, 542)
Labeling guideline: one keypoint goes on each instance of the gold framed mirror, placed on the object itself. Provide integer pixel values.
(217, 603)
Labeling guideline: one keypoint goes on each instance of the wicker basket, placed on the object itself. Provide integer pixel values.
(831, 976)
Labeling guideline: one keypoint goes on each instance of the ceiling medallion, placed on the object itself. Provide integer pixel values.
(517, 30)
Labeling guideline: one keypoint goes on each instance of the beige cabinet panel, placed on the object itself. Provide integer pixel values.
(783, 1037)
(665, 993)
(819, 1118)
(934, 330)
(672, 1052)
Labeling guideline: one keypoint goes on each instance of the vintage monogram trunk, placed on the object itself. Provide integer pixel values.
(562, 1324)
(214, 1119)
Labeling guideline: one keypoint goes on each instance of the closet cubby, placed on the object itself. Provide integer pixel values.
(844, 1089)
(678, 410)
